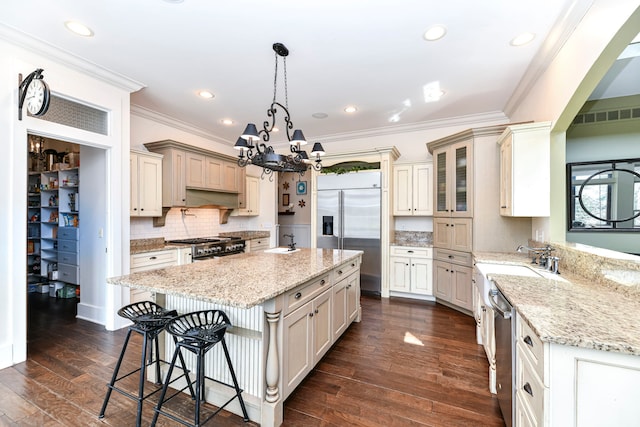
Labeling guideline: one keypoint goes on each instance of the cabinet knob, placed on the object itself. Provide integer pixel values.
(322, 282)
(310, 314)
(409, 252)
(141, 209)
(297, 295)
(527, 340)
(451, 271)
(503, 207)
(450, 256)
(316, 311)
(528, 389)
(452, 225)
(135, 209)
(153, 257)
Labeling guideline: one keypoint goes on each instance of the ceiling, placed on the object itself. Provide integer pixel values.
(366, 53)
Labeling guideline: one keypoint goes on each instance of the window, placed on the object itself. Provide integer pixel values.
(604, 195)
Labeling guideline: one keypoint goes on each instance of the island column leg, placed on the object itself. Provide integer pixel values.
(272, 372)
(272, 405)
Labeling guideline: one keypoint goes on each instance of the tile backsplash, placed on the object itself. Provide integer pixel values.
(193, 223)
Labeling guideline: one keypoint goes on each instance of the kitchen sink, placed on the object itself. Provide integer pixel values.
(280, 251)
(488, 269)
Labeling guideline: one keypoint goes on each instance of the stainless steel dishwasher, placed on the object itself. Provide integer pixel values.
(505, 355)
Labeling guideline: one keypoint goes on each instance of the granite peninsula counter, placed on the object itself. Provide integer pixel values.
(287, 310)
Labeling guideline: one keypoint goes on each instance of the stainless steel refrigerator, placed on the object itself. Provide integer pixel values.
(348, 212)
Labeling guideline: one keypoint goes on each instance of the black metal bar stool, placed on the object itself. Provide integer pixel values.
(199, 332)
(149, 320)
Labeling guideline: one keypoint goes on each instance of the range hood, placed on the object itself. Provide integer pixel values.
(224, 202)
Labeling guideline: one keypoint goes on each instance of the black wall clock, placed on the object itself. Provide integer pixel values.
(35, 91)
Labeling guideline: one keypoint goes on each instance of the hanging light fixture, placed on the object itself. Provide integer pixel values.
(252, 143)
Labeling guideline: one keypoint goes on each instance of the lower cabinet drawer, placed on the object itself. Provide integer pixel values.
(455, 257)
(69, 273)
(532, 347)
(304, 293)
(152, 260)
(345, 270)
(529, 386)
(259, 244)
(411, 251)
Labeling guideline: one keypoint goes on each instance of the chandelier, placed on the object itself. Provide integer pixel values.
(252, 143)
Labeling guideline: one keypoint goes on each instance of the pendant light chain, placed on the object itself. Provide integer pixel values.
(286, 92)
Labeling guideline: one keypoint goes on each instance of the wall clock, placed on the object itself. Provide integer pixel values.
(35, 92)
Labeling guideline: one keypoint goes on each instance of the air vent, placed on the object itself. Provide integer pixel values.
(607, 116)
(76, 115)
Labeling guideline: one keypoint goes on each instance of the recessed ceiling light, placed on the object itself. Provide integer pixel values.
(78, 28)
(350, 109)
(522, 39)
(227, 122)
(435, 33)
(319, 115)
(205, 94)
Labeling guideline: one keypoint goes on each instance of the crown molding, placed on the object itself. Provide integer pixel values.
(49, 51)
(562, 29)
(472, 120)
(137, 110)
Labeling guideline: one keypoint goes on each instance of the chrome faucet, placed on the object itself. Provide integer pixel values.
(292, 245)
(543, 256)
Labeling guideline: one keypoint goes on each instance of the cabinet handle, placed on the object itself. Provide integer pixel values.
(339, 271)
(527, 388)
(322, 282)
(153, 257)
(450, 256)
(297, 295)
(409, 252)
(315, 311)
(503, 207)
(527, 340)
(310, 314)
(353, 264)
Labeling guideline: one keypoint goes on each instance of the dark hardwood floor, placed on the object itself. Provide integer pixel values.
(407, 363)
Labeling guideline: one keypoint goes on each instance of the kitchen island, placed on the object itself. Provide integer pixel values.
(287, 310)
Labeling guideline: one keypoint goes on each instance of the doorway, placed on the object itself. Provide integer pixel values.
(66, 221)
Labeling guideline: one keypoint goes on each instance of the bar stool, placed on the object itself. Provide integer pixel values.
(149, 320)
(199, 332)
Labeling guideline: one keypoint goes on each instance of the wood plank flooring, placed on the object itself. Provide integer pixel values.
(407, 363)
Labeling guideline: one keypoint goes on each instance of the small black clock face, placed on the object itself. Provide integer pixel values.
(37, 98)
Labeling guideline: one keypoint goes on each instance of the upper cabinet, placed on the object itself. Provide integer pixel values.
(412, 190)
(525, 169)
(187, 167)
(249, 199)
(146, 184)
(453, 180)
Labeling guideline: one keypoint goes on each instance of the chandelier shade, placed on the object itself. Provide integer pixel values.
(252, 144)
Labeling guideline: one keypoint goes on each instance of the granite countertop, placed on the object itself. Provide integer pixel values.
(243, 280)
(247, 234)
(571, 310)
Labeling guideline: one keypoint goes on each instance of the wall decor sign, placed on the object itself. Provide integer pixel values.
(301, 203)
(301, 188)
(285, 199)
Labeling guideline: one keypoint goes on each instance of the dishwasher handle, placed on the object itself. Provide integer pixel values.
(504, 313)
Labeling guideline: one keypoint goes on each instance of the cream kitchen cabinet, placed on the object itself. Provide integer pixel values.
(307, 337)
(453, 233)
(249, 197)
(259, 244)
(346, 292)
(561, 385)
(485, 329)
(411, 271)
(185, 256)
(211, 173)
(174, 187)
(146, 184)
(452, 278)
(150, 261)
(453, 180)
(412, 190)
(525, 164)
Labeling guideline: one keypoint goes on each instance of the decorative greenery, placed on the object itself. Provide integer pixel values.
(346, 167)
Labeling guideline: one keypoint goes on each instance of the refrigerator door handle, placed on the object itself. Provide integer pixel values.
(341, 219)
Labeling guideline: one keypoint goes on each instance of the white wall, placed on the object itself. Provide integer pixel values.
(566, 83)
(69, 77)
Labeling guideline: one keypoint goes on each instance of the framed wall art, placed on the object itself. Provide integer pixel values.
(301, 188)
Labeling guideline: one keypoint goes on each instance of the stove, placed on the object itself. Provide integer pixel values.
(212, 247)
